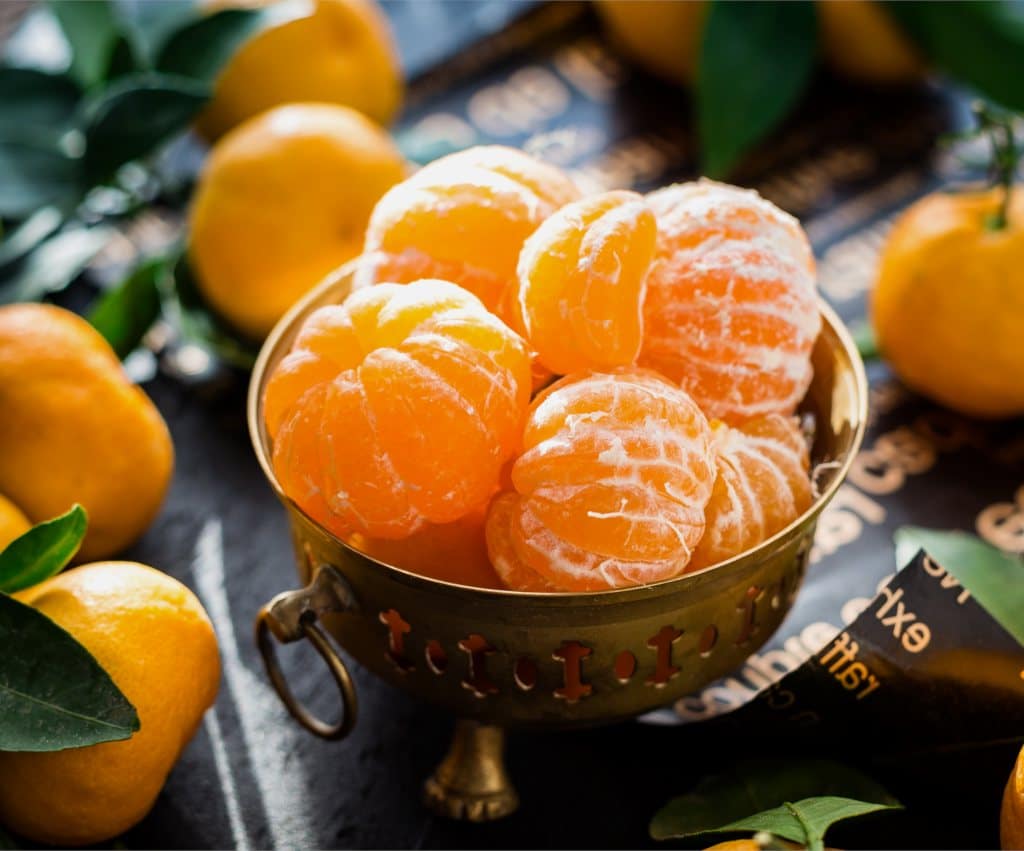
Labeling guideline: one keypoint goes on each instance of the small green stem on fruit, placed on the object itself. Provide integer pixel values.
(997, 124)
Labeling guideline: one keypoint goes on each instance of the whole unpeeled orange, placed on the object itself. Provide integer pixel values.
(13, 523)
(332, 51)
(74, 428)
(1011, 819)
(150, 633)
(948, 303)
(284, 200)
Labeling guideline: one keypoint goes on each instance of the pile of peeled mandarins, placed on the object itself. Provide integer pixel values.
(534, 390)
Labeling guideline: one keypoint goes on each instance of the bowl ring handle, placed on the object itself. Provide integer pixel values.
(295, 615)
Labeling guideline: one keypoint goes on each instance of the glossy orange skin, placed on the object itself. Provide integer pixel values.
(150, 633)
(325, 51)
(948, 302)
(1011, 816)
(74, 428)
(283, 201)
(13, 523)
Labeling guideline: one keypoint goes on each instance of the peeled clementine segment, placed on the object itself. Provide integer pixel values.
(763, 485)
(514, 573)
(610, 489)
(582, 279)
(463, 218)
(451, 552)
(397, 409)
(731, 310)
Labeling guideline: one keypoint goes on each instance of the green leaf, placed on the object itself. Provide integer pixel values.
(6, 840)
(92, 30)
(864, 338)
(200, 49)
(53, 693)
(126, 312)
(29, 234)
(36, 99)
(979, 43)
(197, 324)
(994, 578)
(34, 173)
(55, 264)
(756, 786)
(134, 116)
(43, 551)
(805, 821)
(149, 23)
(756, 61)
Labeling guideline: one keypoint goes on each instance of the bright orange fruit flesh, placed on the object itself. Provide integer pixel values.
(731, 311)
(610, 489)
(452, 552)
(397, 409)
(763, 485)
(582, 279)
(463, 218)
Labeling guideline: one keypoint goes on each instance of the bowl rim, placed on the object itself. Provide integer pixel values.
(256, 435)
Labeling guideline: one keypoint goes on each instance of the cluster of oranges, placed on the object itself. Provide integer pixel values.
(665, 341)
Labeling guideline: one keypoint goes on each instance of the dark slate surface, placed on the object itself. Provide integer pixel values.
(253, 779)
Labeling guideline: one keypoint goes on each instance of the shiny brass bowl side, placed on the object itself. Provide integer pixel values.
(521, 659)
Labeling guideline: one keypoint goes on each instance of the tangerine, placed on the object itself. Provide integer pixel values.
(283, 201)
(582, 278)
(610, 489)
(397, 409)
(762, 486)
(731, 311)
(152, 635)
(75, 429)
(463, 218)
(452, 552)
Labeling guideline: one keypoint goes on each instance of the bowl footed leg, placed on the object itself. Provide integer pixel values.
(471, 783)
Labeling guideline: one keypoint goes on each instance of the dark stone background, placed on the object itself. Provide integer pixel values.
(484, 72)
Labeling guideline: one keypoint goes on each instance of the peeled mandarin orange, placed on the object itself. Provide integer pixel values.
(610, 489)
(397, 409)
(762, 486)
(582, 279)
(731, 311)
(451, 552)
(463, 218)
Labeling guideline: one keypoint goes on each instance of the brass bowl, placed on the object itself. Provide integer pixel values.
(507, 658)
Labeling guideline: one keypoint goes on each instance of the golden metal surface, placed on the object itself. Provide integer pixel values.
(292, 616)
(471, 783)
(512, 658)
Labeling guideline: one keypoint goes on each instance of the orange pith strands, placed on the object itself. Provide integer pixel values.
(610, 489)
(463, 218)
(582, 278)
(731, 311)
(397, 409)
(762, 486)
